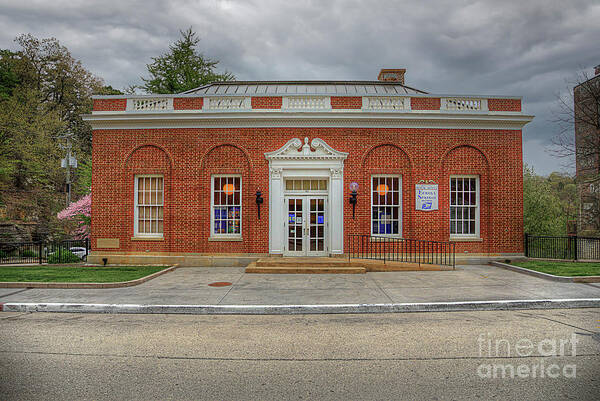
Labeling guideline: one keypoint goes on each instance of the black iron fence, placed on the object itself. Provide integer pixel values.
(401, 250)
(69, 251)
(562, 247)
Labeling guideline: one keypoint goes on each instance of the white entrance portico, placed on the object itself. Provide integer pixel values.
(306, 199)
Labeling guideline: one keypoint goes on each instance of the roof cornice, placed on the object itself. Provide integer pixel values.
(194, 119)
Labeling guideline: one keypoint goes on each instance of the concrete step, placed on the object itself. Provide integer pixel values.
(285, 265)
(299, 262)
(305, 269)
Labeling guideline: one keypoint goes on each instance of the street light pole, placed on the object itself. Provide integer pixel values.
(68, 162)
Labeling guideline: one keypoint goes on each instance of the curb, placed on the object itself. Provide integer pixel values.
(301, 309)
(552, 277)
(118, 284)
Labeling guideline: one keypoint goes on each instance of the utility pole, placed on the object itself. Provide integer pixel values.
(68, 162)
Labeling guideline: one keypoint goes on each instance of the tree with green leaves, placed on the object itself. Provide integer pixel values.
(43, 92)
(9, 79)
(548, 202)
(61, 82)
(182, 68)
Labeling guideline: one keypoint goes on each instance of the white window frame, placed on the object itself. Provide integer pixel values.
(212, 207)
(476, 235)
(399, 177)
(136, 206)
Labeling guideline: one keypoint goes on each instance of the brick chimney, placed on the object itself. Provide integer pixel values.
(392, 75)
(596, 70)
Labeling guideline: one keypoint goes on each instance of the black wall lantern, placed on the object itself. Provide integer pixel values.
(259, 201)
(353, 195)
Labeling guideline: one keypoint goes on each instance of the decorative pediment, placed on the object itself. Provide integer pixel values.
(294, 149)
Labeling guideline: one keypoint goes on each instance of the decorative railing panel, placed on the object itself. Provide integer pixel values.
(229, 103)
(150, 104)
(307, 103)
(385, 103)
(464, 104)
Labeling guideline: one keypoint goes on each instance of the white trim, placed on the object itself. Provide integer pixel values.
(136, 233)
(298, 160)
(205, 95)
(260, 119)
(226, 104)
(293, 102)
(477, 234)
(404, 103)
(371, 190)
(483, 103)
(151, 104)
(225, 237)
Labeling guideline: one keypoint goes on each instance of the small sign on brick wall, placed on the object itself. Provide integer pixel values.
(426, 197)
(107, 243)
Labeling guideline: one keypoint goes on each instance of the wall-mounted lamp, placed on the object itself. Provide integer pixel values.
(259, 201)
(353, 195)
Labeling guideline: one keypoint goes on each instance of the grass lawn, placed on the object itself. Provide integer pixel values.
(562, 268)
(75, 274)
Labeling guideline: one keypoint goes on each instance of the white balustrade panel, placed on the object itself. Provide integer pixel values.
(385, 103)
(150, 104)
(307, 103)
(464, 104)
(228, 103)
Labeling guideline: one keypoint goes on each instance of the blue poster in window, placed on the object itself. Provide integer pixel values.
(321, 219)
(292, 217)
(385, 223)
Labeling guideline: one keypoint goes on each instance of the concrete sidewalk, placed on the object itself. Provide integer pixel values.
(189, 286)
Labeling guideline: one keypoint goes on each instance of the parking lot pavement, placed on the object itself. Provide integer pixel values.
(190, 286)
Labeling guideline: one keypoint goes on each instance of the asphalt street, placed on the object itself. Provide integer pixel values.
(456, 355)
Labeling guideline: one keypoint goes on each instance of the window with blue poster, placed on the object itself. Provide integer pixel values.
(226, 195)
(386, 201)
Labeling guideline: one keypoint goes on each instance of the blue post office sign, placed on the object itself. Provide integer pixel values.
(426, 197)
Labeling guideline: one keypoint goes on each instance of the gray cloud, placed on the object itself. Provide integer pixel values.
(528, 48)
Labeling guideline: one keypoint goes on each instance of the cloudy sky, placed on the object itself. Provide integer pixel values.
(527, 47)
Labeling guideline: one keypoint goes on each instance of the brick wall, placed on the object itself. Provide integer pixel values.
(188, 103)
(188, 157)
(425, 103)
(267, 102)
(504, 104)
(110, 104)
(346, 102)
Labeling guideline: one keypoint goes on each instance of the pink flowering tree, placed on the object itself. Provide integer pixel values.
(81, 213)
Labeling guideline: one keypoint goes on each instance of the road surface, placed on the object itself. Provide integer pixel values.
(339, 357)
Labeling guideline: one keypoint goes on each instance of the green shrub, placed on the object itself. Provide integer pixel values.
(3, 255)
(64, 256)
(28, 253)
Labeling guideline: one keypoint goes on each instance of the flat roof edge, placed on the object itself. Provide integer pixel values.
(192, 95)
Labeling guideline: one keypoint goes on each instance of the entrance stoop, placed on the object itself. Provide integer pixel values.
(306, 265)
(326, 265)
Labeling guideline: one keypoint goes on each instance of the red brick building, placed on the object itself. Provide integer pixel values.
(586, 116)
(176, 176)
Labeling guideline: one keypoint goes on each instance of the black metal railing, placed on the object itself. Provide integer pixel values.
(68, 251)
(401, 250)
(562, 247)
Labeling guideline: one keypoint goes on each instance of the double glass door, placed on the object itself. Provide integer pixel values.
(306, 225)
